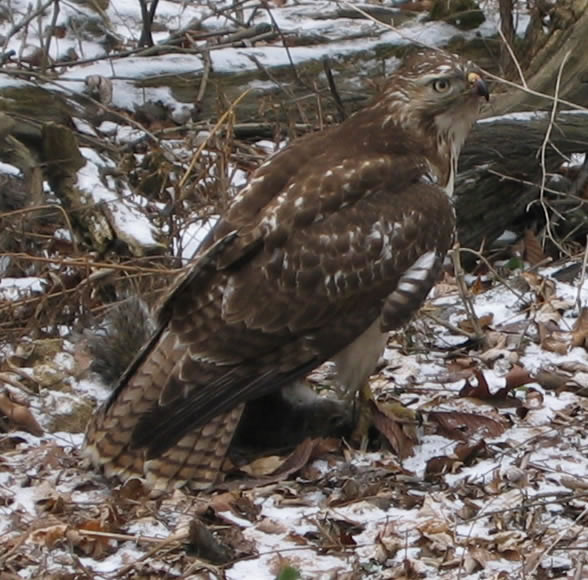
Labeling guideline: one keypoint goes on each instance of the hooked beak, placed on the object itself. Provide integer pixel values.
(479, 87)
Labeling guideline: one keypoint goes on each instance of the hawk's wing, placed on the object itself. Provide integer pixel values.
(273, 299)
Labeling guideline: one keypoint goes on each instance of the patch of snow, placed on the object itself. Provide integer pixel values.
(13, 289)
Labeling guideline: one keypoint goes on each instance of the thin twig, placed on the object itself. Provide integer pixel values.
(88, 264)
(582, 278)
(54, 206)
(543, 155)
(17, 385)
(284, 42)
(464, 293)
(558, 538)
(46, 58)
(532, 92)
(25, 22)
(204, 78)
(513, 57)
(214, 130)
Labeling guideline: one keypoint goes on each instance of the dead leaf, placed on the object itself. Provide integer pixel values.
(269, 526)
(276, 468)
(19, 415)
(297, 459)
(484, 321)
(482, 391)
(132, 489)
(552, 344)
(534, 399)
(245, 508)
(467, 451)
(438, 466)
(580, 332)
(574, 483)
(465, 426)
(93, 545)
(392, 427)
(203, 543)
(543, 287)
(517, 377)
(49, 536)
(533, 250)
(263, 466)
(551, 381)
(479, 286)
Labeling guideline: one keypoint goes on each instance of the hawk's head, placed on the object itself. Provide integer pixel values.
(434, 98)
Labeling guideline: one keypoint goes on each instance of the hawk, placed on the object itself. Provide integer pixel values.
(336, 240)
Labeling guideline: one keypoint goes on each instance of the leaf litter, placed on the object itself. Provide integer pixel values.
(489, 474)
(496, 481)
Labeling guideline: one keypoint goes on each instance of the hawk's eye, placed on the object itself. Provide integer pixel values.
(441, 85)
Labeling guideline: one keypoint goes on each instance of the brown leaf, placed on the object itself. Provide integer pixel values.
(132, 489)
(484, 321)
(517, 377)
(533, 250)
(553, 381)
(49, 536)
(296, 460)
(88, 544)
(478, 286)
(392, 428)
(205, 545)
(245, 508)
(466, 452)
(556, 345)
(20, 416)
(580, 332)
(465, 426)
(482, 392)
(269, 526)
(544, 288)
(534, 399)
(438, 466)
(263, 466)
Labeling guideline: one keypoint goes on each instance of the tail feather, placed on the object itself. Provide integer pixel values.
(195, 459)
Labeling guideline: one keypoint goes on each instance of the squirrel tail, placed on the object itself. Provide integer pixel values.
(114, 343)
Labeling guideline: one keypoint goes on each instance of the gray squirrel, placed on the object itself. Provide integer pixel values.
(274, 423)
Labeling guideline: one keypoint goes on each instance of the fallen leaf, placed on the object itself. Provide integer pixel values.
(533, 250)
(482, 391)
(543, 287)
(551, 381)
(465, 426)
(484, 322)
(204, 545)
(386, 420)
(269, 526)
(517, 377)
(263, 466)
(49, 536)
(580, 332)
(93, 545)
(20, 416)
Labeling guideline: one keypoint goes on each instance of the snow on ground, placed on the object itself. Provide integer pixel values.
(520, 502)
(516, 505)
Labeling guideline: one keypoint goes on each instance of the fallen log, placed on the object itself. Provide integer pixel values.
(500, 175)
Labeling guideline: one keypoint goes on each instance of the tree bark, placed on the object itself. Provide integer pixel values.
(500, 175)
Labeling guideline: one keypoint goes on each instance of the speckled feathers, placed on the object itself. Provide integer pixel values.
(336, 239)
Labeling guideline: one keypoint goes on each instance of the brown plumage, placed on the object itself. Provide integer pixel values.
(336, 240)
